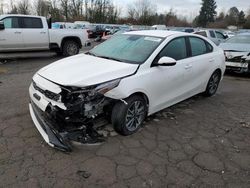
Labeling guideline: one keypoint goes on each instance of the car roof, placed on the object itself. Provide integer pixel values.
(19, 15)
(247, 33)
(155, 33)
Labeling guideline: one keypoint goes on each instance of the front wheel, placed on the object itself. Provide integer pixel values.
(213, 84)
(128, 118)
(70, 48)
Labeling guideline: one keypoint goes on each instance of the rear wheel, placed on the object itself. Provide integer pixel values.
(128, 118)
(70, 47)
(213, 84)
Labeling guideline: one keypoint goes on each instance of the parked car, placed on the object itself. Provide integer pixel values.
(31, 33)
(63, 25)
(127, 78)
(229, 34)
(82, 24)
(237, 52)
(188, 30)
(95, 31)
(159, 27)
(216, 36)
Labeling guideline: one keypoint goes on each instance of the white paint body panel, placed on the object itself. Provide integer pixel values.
(163, 86)
(85, 70)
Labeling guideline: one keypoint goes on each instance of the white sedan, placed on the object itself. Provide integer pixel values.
(125, 79)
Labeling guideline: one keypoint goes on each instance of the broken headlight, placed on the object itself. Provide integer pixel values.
(107, 86)
(89, 92)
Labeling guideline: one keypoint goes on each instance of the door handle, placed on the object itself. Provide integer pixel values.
(17, 32)
(43, 32)
(188, 66)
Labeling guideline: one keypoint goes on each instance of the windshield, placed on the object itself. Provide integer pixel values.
(243, 39)
(127, 48)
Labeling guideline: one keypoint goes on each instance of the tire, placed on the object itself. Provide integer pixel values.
(213, 84)
(70, 48)
(128, 118)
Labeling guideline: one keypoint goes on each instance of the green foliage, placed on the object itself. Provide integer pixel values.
(207, 12)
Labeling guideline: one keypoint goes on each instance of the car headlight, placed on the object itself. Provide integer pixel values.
(93, 90)
(107, 86)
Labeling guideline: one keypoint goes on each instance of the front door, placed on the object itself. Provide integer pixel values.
(11, 38)
(170, 82)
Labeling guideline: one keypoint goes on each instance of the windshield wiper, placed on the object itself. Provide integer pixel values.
(111, 58)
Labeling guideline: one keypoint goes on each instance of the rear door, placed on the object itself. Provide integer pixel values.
(11, 38)
(202, 62)
(35, 34)
(213, 37)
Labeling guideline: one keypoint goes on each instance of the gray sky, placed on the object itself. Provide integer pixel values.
(188, 8)
(185, 8)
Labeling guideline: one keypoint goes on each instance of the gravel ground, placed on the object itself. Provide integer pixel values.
(201, 142)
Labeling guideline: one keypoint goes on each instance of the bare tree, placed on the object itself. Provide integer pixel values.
(1, 6)
(23, 7)
(42, 7)
(65, 8)
(142, 11)
(76, 8)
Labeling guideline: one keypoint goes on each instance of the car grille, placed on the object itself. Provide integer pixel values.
(235, 59)
(47, 93)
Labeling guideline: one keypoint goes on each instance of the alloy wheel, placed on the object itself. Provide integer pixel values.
(135, 115)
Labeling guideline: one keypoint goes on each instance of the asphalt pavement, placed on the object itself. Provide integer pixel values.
(201, 142)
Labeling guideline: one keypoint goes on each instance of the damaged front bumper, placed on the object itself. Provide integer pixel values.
(45, 128)
(238, 61)
(59, 122)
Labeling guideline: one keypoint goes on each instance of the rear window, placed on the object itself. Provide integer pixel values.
(199, 46)
(32, 23)
(202, 33)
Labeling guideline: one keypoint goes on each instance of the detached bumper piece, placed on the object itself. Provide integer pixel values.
(62, 140)
(49, 134)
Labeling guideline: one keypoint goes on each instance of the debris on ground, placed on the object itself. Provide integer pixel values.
(106, 131)
(156, 120)
(245, 124)
(83, 173)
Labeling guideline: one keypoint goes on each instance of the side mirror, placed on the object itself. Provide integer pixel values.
(166, 61)
(2, 25)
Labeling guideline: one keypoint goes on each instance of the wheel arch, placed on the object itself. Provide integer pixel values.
(73, 38)
(141, 94)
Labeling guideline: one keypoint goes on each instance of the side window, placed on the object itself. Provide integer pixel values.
(11, 22)
(212, 33)
(209, 47)
(198, 46)
(34, 23)
(219, 35)
(175, 49)
(202, 33)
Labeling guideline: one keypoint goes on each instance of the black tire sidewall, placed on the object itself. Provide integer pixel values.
(65, 48)
(119, 113)
(208, 92)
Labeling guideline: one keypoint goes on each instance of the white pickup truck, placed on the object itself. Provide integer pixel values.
(216, 36)
(31, 33)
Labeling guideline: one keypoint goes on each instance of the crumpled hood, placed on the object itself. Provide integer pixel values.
(84, 70)
(235, 47)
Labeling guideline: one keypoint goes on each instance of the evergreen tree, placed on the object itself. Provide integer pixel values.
(241, 18)
(207, 12)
